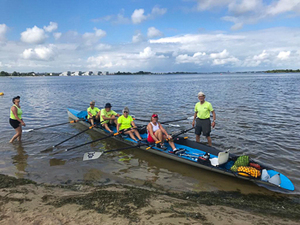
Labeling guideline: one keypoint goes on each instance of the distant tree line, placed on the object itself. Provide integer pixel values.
(283, 71)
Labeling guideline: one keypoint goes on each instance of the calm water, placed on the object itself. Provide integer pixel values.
(257, 114)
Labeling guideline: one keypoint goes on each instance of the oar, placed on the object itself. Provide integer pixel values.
(179, 133)
(54, 125)
(96, 155)
(110, 135)
(54, 146)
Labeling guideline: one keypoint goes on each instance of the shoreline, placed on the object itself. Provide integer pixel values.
(23, 201)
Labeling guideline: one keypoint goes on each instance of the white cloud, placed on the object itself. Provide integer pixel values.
(52, 27)
(158, 11)
(153, 32)
(40, 53)
(283, 55)
(198, 58)
(241, 12)
(283, 6)
(57, 35)
(147, 53)
(138, 38)
(210, 4)
(102, 47)
(33, 35)
(261, 56)
(93, 38)
(114, 19)
(220, 55)
(139, 17)
(124, 60)
(244, 6)
(3, 30)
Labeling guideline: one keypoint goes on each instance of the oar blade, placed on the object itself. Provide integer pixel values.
(26, 131)
(91, 155)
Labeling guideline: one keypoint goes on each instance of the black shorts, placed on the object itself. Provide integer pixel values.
(204, 126)
(14, 123)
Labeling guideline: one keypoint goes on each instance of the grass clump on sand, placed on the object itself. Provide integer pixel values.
(9, 182)
(118, 203)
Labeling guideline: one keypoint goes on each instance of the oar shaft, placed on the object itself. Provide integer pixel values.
(110, 135)
(54, 125)
(73, 136)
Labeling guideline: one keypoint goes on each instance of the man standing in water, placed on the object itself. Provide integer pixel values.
(203, 123)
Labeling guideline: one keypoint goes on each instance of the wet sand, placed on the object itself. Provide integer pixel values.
(24, 202)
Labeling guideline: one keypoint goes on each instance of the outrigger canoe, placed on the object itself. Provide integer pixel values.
(190, 153)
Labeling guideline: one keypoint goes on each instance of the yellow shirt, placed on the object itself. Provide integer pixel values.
(93, 111)
(107, 114)
(203, 110)
(19, 113)
(125, 122)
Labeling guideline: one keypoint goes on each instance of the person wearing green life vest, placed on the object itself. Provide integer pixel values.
(15, 119)
(108, 116)
(126, 124)
(93, 113)
(203, 123)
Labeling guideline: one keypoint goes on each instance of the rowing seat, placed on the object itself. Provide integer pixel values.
(221, 159)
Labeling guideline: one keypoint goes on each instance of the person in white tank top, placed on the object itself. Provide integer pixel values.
(156, 133)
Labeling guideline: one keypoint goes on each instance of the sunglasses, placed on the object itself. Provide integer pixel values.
(155, 116)
(125, 112)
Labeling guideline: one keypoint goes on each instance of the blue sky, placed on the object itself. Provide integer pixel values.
(157, 36)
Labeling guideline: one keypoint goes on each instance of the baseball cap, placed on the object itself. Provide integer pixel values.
(107, 105)
(154, 115)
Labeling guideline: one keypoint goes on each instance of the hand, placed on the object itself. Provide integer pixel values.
(23, 124)
(193, 124)
(213, 124)
(113, 117)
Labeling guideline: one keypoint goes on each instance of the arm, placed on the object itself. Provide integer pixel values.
(133, 124)
(213, 124)
(90, 114)
(195, 115)
(118, 127)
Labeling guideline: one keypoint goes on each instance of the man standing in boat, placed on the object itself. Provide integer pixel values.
(203, 123)
(108, 116)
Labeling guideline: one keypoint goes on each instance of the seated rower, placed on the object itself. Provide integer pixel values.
(93, 113)
(126, 124)
(108, 116)
(157, 133)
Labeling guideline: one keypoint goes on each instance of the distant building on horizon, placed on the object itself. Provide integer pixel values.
(67, 73)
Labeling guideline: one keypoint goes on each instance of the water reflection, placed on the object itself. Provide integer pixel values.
(57, 162)
(20, 160)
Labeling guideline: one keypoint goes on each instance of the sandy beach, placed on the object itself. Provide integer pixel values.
(25, 202)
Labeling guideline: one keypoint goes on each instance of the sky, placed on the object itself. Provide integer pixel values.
(155, 36)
